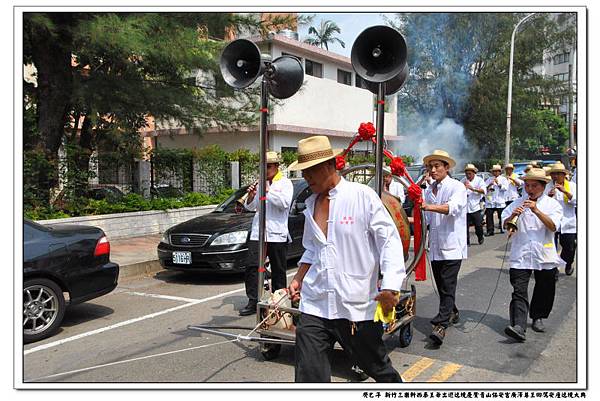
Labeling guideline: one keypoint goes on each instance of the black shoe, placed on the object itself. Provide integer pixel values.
(538, 326)
(249, 309)
(360, 374)
(480, 241)
(437, 334)
(454, 317)
(489, 234)
(516, 332)
(569, 270)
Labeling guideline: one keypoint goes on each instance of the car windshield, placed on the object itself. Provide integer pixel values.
(231, 204)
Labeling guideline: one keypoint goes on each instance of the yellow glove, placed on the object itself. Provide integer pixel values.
(381, 317)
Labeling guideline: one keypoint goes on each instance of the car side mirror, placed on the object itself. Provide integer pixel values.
(300, 206)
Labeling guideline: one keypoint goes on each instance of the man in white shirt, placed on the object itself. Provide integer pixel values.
(475, 190)
(393, 186)
(565, 192)
(445, 204)
(532, 250)
(349, 238)
(279, 198)
(514, 183)
(495, 200)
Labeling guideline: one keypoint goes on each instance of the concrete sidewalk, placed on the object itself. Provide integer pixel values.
(136, 256)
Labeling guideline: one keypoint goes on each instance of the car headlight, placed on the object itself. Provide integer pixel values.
(165, 238)
(236, 237)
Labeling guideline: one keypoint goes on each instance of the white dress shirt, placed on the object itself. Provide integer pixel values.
(533, 244)
(397, 190)
(513, 192)
(279, 200)
(474, 198)
(447, 232)
(568, 224)
(497, 197)
(362, 240)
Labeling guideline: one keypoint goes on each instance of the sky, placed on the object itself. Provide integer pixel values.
(351, 25)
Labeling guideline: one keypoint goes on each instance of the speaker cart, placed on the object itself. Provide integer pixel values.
(379, 56)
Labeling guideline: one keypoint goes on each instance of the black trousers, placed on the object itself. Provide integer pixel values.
(541, 301)
(315, 337)
(489, 218)
(445, 273)
(568, 243)
(277, 253)
(477, 221)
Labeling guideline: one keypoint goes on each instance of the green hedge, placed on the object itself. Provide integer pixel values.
(130, 203)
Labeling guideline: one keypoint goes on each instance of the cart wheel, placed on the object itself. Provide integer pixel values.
(405, 335)
(270, 351)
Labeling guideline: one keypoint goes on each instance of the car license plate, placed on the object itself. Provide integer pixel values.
(182, 258)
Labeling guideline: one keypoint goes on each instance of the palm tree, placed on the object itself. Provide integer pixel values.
(324, 35)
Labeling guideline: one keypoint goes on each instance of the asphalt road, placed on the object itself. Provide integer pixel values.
(139, 334)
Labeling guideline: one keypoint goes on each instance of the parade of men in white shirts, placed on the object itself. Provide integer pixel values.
(536, 218)
(278, 200)
(495, 200)
(475, 191)
(565, 192)
(445, 206)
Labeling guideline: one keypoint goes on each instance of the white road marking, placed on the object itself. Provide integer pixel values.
(169, 297)
(127, 322)
(131, 360)
(191, 302)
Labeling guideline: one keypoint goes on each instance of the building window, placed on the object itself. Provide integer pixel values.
(313, 68)
(562, 58)
(344, 77)
(564, 77)
(360, 83)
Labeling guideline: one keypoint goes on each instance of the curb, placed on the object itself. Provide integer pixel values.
(139, 269)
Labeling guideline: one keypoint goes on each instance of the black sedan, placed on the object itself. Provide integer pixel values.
(218, 241)
(62, 259)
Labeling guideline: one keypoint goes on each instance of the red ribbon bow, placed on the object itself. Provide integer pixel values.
(340, 162)
(397, 166)
(366, 131)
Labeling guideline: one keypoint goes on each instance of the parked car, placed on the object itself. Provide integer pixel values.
(166, 191)
(62, 259)
(109, 192)
(218, 241)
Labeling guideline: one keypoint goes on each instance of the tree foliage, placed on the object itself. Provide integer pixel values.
(324, 34)
(459, 70)
(101, 77)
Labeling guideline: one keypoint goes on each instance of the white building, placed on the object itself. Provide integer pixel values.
(331, 102)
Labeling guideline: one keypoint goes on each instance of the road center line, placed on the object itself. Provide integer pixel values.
(128, 322)
(131, 360)
(416, 369)
(444, 373)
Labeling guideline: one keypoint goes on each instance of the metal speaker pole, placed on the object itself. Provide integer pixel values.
(241, 63)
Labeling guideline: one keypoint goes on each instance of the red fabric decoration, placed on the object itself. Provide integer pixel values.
(366, 131)
(340, 162)
(415, 195)
(397, 167)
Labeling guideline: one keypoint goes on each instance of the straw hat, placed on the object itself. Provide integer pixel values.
(535, 164)
(558, 168)
(509, 165)
(312, 151)
(546, 170)
(529, 167)
(439, 155)
(496, 167)
(471, 167)
(536, 174)
(386, 169)
(273, 157)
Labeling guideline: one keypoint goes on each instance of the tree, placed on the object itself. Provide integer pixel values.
(100, 76)
(324, 35)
